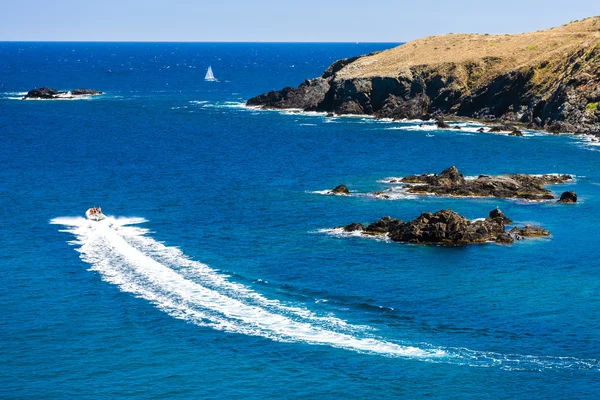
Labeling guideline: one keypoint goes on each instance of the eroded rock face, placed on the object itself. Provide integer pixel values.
(49, 93)
(451, 182)
(447, 227)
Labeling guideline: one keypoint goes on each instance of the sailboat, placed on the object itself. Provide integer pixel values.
(209, 77)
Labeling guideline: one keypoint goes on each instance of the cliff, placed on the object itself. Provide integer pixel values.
(548, 79)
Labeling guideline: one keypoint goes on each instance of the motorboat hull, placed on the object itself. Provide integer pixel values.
(94, 216)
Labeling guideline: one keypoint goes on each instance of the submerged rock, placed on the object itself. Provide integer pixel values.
(451, 182)
(568, 197)
(530, 230)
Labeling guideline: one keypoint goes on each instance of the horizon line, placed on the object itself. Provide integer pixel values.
(197, 41)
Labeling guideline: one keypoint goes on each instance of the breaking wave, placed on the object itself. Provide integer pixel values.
(125, 255)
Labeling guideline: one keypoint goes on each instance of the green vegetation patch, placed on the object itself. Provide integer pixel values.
(532, 47)
(591, 107)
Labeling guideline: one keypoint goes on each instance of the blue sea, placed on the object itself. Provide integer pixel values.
(218, 273)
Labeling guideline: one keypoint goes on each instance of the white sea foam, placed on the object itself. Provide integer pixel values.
(126, 256)
(12, 95)
(329, 192)
(340, 232)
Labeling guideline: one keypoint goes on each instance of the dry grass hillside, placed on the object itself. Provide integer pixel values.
(500, 53)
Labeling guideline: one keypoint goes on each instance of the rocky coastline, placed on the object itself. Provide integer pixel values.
(446, 227)
(53, 94)
(546, 80)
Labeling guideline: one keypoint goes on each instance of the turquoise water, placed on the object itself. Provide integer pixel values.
(216, 277)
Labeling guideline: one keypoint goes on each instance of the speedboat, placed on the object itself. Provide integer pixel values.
(94, 214)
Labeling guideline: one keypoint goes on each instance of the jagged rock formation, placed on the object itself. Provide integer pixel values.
(49, 93)
(547, 79)
(451, 182)
(447, 227)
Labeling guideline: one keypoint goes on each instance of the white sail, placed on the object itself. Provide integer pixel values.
(209, 75)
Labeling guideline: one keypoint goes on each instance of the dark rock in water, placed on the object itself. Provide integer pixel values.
(382, 194)
(530, 230)
(442, 124)
(452, 183)
(496, 213)
(568, 197)
(341, 189)
(516, 132)
(502, 128)
(330, 115)
(48, 93)
(354, 227)
(481, 130)
(457, 127)
(383, 226)
(84, 92)
(41, 93)
(505, 238)
(449, 177)
(447, 227)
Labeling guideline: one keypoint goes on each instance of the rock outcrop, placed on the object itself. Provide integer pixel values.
(340, 190)
(447, 227)
(568, 197)
(451, 182)
(545, 80)
(49, 93)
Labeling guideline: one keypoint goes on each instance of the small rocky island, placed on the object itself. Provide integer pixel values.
(49, 94)
(447, 227)
(451, 182)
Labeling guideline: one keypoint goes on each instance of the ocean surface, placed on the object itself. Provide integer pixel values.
(217, 274)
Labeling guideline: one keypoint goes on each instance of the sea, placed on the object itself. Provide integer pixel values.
(219, 273)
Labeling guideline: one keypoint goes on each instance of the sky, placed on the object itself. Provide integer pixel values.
(277, 21)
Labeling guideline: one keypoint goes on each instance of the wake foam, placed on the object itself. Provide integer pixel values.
(125, 255)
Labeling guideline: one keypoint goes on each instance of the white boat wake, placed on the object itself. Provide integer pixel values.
(126, 256)
(123, 255)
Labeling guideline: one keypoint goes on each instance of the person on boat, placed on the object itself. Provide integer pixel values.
(99, 210)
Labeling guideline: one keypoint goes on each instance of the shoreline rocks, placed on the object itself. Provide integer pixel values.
(49, 93)
(451, 182)
(447, 227)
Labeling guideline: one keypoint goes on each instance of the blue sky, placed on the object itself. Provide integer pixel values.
(279, 21)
